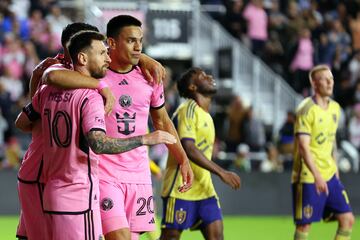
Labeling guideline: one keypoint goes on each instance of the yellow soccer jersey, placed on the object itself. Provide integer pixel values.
(191, 122)
(321, 125)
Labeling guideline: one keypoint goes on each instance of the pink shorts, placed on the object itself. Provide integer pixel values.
(126, 205)
(75, 227)
(33, 223)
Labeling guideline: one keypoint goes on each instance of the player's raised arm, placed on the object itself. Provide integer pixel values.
(152, 69)
(102, 144)
(162, 121)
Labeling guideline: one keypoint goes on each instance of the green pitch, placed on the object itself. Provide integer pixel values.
(236, 228)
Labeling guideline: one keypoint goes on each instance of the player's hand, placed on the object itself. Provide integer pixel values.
(43, 65)
(231, 179)
(109, 100)
(158, 137)
(153, 71)
(321, 186)
(187, 176)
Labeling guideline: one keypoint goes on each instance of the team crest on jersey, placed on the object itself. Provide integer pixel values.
(107, 204)
(334, 117)
(180, 216)
(125, 101)
(308, 211)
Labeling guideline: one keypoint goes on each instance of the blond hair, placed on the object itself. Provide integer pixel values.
(316, 69)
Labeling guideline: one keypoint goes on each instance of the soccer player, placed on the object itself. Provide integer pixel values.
(199, 207)
(317, 190)
(33, 222)
(29, 174)
(72, 122)
(125, 181)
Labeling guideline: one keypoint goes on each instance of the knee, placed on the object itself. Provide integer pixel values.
(303, 228)
(170, 235)
(347, 221)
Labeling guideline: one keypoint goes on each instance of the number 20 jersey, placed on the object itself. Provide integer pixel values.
(129, 118)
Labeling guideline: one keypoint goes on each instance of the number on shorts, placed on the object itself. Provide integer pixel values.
(143, 202)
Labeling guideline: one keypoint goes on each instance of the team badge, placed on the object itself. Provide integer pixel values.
(334, 118)
(107, 204)
(308, 211)
(125, 101)
(180, 216)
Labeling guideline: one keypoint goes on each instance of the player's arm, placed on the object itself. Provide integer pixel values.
(197, 157)
(161, 121)
(152, 69)
(69, 79)
(26, 118)
(38, 72)
(304, 148)
(102, 144)
(335, 160)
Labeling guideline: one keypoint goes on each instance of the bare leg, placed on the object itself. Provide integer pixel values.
(213, 231)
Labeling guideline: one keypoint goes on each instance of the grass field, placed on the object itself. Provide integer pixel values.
(236, 228)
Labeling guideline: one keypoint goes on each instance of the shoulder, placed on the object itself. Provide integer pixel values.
(305, 106)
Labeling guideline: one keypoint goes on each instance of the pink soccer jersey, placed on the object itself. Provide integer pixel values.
(70, 169)
(129, 118)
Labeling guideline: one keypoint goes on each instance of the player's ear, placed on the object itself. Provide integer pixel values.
(82, 58)
(111, 43)
(192, 87)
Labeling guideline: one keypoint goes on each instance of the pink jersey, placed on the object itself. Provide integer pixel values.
(70, 169)
(30, 169)
(130, 118)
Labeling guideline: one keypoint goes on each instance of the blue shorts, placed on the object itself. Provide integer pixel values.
(310, 207)
(182, 214)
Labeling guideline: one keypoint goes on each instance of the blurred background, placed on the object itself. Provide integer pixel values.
(259, 52)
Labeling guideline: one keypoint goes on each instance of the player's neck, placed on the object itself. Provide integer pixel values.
(203, 101)
(82, 70)
(121, 68)
(322, 101)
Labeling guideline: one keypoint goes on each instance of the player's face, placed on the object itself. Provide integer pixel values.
(324, 83)
(205, 83)
(128, 46)
(98, 59)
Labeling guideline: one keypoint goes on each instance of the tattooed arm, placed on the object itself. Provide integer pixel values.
(102, 144)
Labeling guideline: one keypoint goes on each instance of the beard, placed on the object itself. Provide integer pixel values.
(100, 73)
(207, 91)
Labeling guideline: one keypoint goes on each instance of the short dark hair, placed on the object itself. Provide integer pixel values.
(115, 24)
(74, 28)
(81, 41)
(184, 82)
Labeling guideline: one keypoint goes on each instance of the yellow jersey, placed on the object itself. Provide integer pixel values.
(321, 125)
(192, 123)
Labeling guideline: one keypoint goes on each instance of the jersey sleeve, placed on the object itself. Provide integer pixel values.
(303, 123)
(157, 97)
(92, 113)
(186, 122)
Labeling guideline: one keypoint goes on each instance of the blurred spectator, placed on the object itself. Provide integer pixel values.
(11, 84)
(3, 127)
(325, 50)
(272, 163)
(235, 22)
(235, 116)
(355, 32)
(302, 62)
(356, 94)
(257, 21)
(274, 53)
(57, 20)
(31, 60)
(342, 39)
(171, 95)
(354, 127)
(286, 134)
(354, 68)
(253, 131)
(13, 56)
(13, 154)
(242, 160)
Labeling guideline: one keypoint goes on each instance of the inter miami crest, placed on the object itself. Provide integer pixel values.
(180, 216)
(107, 204)
(125, 101)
